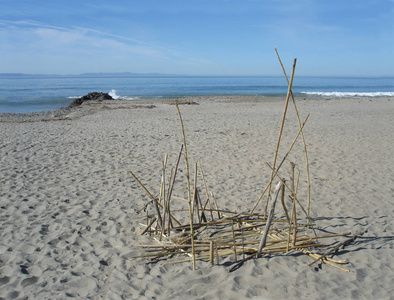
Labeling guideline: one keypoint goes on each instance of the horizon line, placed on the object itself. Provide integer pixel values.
(178, 75)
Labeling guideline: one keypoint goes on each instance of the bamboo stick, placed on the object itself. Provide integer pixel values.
(303, 209)
(216, 205)
(206, 188)
(283, 201)
(303, 141)
(169, 194)
(217, 256)
(280, 165)
(188, 187)
(278, 239)
(211, 256)
(269, 220)
(170, 224)
(293, 196)
(148, 226)
(156, 204)
(234, 247)
(243, 241)
(163, 196)
(222, 249)
(280, 134)
(203, 209)
(344, 243)
(195, 200)
(292, 206)
(313, 255)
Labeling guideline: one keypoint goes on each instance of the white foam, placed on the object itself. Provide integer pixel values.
(351, 94)
(129, 98)
(113, 94)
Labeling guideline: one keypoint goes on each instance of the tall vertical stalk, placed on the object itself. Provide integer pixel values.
(280, 135)
(303, 140)
(189, 197)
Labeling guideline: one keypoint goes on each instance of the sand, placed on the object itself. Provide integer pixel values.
(68, 206)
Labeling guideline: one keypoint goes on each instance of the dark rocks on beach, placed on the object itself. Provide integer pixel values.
(89, 97)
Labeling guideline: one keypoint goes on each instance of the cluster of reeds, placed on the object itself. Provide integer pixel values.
(213, 234)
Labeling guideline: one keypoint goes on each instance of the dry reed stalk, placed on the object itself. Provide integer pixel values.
(216, 205)
(323, 260)
(147, 217)
(156, 204)
(284, 240)
(169, 193)
(195, 200)
(269, 221)
(293, 196)
(283, 201)
(168, 200)
(249, 228)
(234, 247)
(280, 165)
(217, 255)
(188, 187)
(203, 208)
(177, 246)
(315, 256)
(243, 240)
(288, 188)
(224, 250)
(164, 176)
(241, 262)
(303, 141)
(342, 244)
(148, 226)
(280, 133)
(196, 226)
(179, 198)
(206, 189)
(230, 239)
(211, 251)
(163, 196)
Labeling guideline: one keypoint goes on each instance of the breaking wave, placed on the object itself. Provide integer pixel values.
(113, 94)
(351, 94)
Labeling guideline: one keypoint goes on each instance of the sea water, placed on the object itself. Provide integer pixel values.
(31, 93)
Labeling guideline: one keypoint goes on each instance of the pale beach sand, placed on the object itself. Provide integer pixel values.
(68, 221)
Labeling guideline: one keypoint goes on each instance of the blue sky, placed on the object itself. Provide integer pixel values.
(197, 37)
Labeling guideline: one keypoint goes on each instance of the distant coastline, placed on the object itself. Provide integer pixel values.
(141, 75)
(119, 74)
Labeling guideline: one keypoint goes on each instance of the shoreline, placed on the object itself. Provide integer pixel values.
(91, 107)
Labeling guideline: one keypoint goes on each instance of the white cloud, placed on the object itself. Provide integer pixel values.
(32, 47)
(38, 36)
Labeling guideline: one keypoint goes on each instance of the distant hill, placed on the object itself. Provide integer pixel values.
(121, 74)
(126, 74)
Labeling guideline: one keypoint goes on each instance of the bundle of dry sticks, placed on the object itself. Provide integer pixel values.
(212, 233)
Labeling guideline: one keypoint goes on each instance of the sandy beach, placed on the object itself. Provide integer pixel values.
(69, 225)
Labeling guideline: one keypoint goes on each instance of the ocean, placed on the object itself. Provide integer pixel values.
(31, 93)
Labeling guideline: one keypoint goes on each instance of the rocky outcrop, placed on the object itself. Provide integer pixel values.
(89, 97)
